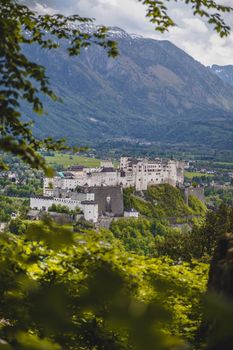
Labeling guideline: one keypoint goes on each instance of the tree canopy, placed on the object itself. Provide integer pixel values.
(61, 290)
(22, 80)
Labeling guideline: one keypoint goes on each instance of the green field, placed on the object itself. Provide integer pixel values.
(223, 163)
(68, 160)
(191, 175)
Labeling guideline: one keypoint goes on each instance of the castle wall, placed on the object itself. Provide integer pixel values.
(90, 211)
(102, 179)
(79, 196)
(109, 200)
(89, 208)
(195, 191)
(43, 203)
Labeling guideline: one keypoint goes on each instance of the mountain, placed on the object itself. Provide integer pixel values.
(223, 72)
(152, 91)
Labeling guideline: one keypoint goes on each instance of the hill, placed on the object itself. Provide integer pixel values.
(163, 213)
(163, 202)
(152, 91)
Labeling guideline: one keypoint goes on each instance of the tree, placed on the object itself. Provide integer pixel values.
(23, 80)
(199, 243)
(17, 226)
(58, 293)
(158, 14)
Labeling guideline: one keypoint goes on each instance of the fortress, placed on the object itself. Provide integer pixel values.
(132, 172)
(98, 192)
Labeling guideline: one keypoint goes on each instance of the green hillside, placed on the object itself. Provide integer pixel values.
(163, 202)
(160, 207)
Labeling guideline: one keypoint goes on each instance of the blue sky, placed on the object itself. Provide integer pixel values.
(191, 33)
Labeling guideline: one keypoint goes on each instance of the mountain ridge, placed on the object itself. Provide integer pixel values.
(225, 73)
(152, 91)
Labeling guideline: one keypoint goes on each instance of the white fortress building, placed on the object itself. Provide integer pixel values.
(98, 192)
(141, 173)
(87, 205)
(138, 173)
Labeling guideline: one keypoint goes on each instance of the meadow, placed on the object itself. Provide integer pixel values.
(67, 160)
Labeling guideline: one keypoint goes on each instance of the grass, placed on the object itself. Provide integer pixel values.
(67, 160)
(191, 175)
(223, 163)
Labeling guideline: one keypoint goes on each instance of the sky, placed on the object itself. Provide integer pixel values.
(191, 34)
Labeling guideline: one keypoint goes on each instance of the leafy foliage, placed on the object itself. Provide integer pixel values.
(217, 196)
(86, 292)
(8, 206)
(168, 200)
(58, 208)
(163, 202)
(157, 13)
(200, 242)
(17, 226)
(196, 205)
(23, 80)
(137, 235)
(179, 245)
(215, 226)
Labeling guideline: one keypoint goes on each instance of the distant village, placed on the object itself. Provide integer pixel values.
(98, 192)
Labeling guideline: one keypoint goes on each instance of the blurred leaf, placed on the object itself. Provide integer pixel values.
(52, 234)
(32, 342)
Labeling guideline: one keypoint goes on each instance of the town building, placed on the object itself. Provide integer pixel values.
(131, 213)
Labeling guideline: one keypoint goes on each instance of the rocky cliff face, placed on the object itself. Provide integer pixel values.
(152, 90)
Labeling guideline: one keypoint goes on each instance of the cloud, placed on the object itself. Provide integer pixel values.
(191, 34)
(43, 9)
